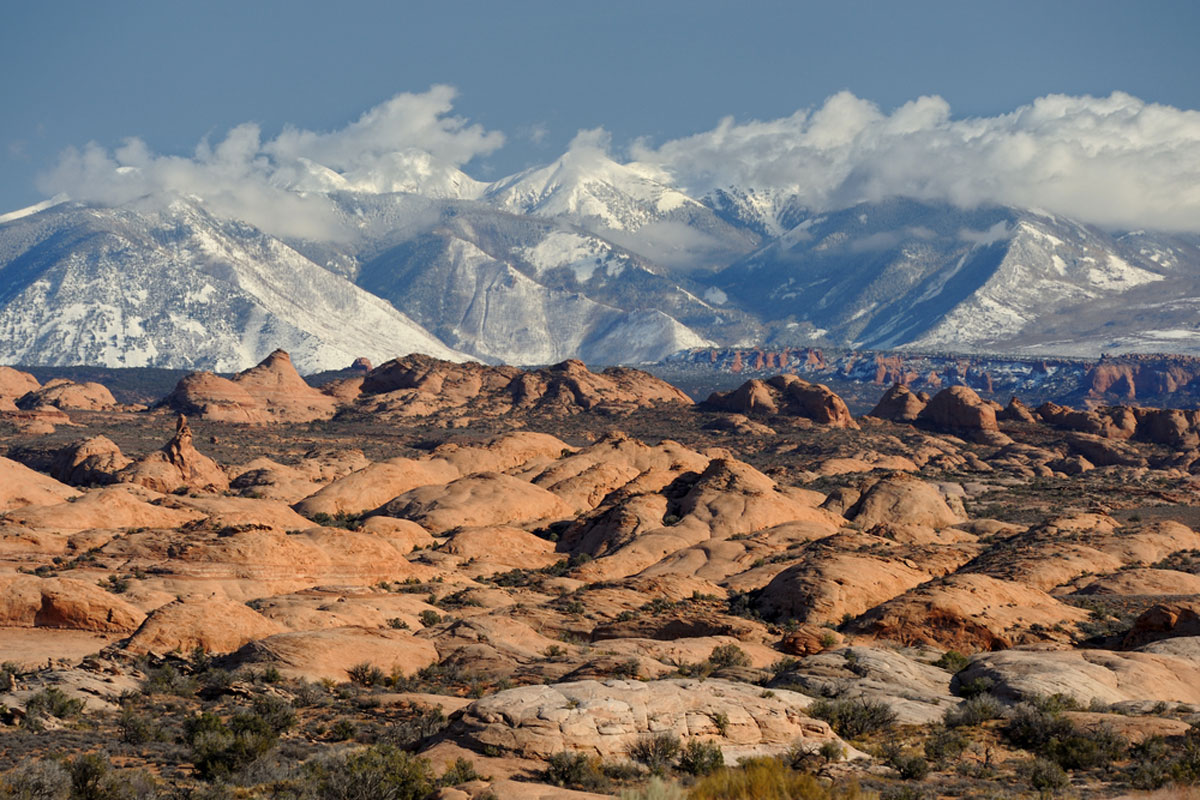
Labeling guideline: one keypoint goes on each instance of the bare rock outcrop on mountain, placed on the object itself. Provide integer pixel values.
(1103, 675)
(273, 391)
(969, 613)
(786, 395)
(178, 464)
(419, 386)
(214, 626)
(28, 601)
(607, 717)
(898, 404)
(489, 498)
(904, 500)
(958, 409)
(1164, 621)
(96, 460)
(21, 486)
(69, 396)
(330, 653)
(14, 385)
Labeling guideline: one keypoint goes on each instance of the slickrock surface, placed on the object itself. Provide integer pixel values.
(567, 561)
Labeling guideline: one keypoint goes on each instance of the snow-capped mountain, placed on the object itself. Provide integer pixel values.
(172, 286)
(583, 258)
(907, 274)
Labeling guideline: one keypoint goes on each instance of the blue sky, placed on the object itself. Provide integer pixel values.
(173, 73)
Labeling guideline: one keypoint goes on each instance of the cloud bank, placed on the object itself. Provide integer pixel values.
(1113, 161)
(409, 140)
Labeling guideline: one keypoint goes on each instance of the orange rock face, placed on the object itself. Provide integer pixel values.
(69, 396)
(898, 404)
(271, 392)
(959, 408)
(177, 464)
(787, 395)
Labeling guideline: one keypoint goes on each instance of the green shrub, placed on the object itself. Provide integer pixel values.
(854, 718)
(366, 674)
(135, 728)
(978, 685)
(91, 779)
(379, 771)
(1045, 776)
(36, 780)
(1050, 735)
(169, 680)
(728, 655)
(52, 702)
(220, 749)
(657, 752)
(700, 758)
(655, 789)
(976, 710)
(911, 767)
(952, 661)
(766, 779)
(576, 771)
(429, 618)
(944, 744)
(462, 771)
(276, 712)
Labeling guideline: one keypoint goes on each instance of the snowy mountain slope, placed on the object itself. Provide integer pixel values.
(174, 287)
(902, 273)
(490, 308)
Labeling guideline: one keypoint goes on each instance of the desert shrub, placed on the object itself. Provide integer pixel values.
(853, 718)
(1054, 703)
(944, 744)
(276, 712)
(981, 684)
(92, 778)
(366, 674)
(976, 710)
(766, 779)
(306, 694)
(219, 749)
(1045, 776)
(423, 723)
(343, 729)
(135, 728)
(656, 752)
(1052, 736)
(952, 661)
(576, 771)
(910, 766)
(655, 789)
(36, 780)
(700, 758)
(429, 617)
(379, 771)
(785, 664)
(1151, 764)
(51, 702)
(169, 680)
(461, 771)
(728, 655)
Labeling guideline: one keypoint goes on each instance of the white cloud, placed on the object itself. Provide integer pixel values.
(399, 144)
(1114, 161)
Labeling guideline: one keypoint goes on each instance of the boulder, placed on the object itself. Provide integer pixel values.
(28, 601)
(904, 500)
(15, 384)
(95, 460)
(959, 409)
(607, 717)
(898, 404)
(489, 498)
(1164, 621)
(69, 396)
